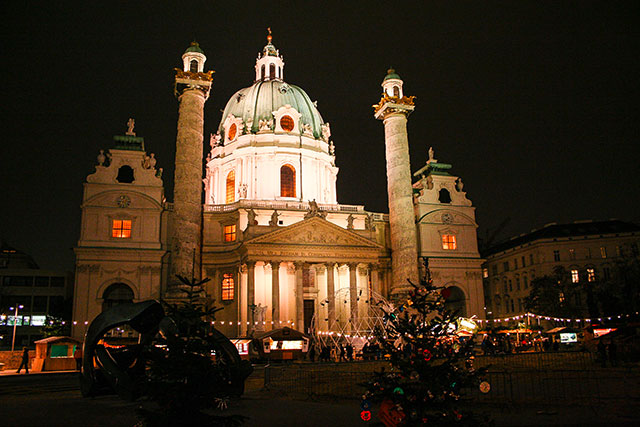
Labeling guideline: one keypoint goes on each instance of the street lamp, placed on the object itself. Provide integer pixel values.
(15, 324)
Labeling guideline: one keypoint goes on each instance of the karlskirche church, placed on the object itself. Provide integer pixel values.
(263, 221)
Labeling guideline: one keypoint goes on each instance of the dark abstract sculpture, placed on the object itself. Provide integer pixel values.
(122, 370)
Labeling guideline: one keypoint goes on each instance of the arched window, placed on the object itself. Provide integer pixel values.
(116, 294)
(396, 91)
(231, 187)
(287, 181)
(272, 71)
(125, 174)
(444, 196)
(193, 66)
(262, 72)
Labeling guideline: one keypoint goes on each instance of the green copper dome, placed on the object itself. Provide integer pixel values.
(259, 101)
(194, 47)
(391, 74)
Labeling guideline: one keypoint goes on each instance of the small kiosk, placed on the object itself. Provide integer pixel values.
(283, 344)
(55, 354)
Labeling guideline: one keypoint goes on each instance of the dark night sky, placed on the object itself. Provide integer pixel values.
(534, 103)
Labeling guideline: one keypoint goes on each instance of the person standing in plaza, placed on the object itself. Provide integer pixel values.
(25, 360)
(77, 355)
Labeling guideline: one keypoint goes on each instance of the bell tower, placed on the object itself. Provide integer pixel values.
(393, 110)
(192, 86)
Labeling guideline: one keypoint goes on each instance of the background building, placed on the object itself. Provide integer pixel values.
(589, 252)
(268, 230)
(42, 293)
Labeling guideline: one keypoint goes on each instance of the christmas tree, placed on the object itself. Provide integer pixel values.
(191, 366)
(431, 364)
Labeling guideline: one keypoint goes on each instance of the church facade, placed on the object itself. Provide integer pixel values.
(262, 220)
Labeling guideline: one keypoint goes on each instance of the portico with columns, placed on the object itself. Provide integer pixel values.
(298, 271)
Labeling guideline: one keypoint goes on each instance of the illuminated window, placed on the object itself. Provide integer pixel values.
(591, 275)
(233, 130)
(287, 181)
(603, 252)
(231, 187)
(485, 273)
(227, 287)
(121, 228)
(193, 66)
(561, 297)
(449, 242)
(396, 91)
(230, 233)
(286, 123)
(575, 277)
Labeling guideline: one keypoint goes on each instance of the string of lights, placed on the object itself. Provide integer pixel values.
(557, 319)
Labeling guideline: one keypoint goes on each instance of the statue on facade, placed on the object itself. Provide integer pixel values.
(152, 161)
(459, 185)
(242, 191)
(101, 158)
(429, 182)
(146, 162)
(265, 124)
(314, 210)
(431, 154)
(251, 217)
(258, 316)
(214, 140)
(326, 132)
(368, 222)
(130, 124)
(350, 219)
(332, 148)
(273, 222)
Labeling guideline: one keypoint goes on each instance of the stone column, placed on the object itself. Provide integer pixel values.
(404, 241)
(353, 290)
(299, 297)
(187, 193)
(331, 292)
(251, 295)
(375, 279)
(275, 293)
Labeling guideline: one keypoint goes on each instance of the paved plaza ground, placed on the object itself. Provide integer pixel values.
(53, 399)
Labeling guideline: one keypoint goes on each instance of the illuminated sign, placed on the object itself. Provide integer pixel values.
(568, 337)
(603, 331)
(38, 320)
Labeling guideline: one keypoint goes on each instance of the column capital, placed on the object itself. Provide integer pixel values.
(374, 266)
(275, 265)
(250, 264)
(299, 264)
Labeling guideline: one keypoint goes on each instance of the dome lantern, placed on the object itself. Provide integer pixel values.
(193, 58)
(392, 84)
(269, 65)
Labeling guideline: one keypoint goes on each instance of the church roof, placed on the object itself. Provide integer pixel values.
(194, 47)
(259, 101)
(576, 229)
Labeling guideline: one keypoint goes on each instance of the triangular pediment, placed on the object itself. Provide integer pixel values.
(314, 232)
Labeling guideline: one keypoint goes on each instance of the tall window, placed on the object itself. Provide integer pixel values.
(449, 242)
(556, 255)
(606, 273)
(530, 259)
(396, 91)
(572, 254)
(193, 66)
(588, 254)
(121, 228)
(525, 281)
(227, 287)
(575, 277)
(231, 187)
(603, 252)
(523, 263)
(230, 233)
(517, 282)
(506, 265)
(287, 181)
(272, 71)
(591, 275)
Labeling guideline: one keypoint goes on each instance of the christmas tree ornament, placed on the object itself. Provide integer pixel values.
(398, 390)
(365, 415)
(485, 387)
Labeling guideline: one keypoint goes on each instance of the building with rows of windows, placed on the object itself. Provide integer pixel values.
(34, 292)
(266, 228)
(587, 251)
